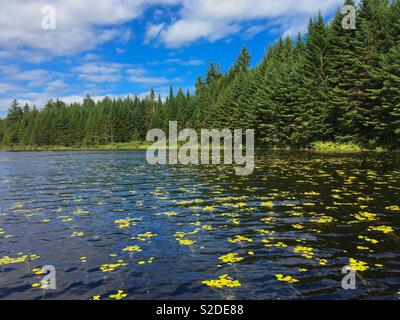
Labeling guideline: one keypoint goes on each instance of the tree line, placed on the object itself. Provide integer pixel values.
(331, 84)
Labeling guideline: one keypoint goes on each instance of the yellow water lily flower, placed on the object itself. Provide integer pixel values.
(268, 204)
(38, 271)
(124, 223)
(393, 208)
(358, 265)
(306, 252)
(222, 281)
(312, 193)
(288, 279)
(240, 238)
(119, 295)
(265, 232)
(383, 229)
(268, 244)
(309, 204)
(366, 216)
(22, 258)
(323, 220)
(113, 266)
(230, 258)
(209, 208)
(186, 242)
(170, 214)
(80, 211)
(132, 249)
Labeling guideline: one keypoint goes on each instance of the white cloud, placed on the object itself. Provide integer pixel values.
(56, 85)
(84, 25)
(215, 19)
(186, 63)
(119, 50)
(152, 32)
(180, 62)
(32, 75)
(92, 57)
(80, 25)
(99, 72)
(148, 80)
(12, 72)
(187, 31)
(6, 88)
(141, 76)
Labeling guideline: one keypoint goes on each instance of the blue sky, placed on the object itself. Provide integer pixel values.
(120, 47)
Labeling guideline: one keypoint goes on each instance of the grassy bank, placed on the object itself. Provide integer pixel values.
(134, 145)
(323, 147)
(336, 147)
(342, 147)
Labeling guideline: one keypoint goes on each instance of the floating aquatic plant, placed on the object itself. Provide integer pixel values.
(222, 281)
(358, 265)
(119, 295)
(383, 229)
(240, 238)
(230, 258)
(132, 249)
(288, 279)
(113, 266)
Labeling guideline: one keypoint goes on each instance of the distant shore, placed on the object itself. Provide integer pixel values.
(323, 147)
(114, 146)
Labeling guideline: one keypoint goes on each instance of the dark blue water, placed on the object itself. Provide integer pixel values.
(300, 214)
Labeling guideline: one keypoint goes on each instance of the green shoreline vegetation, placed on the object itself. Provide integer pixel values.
(331, 90)
(323, 147)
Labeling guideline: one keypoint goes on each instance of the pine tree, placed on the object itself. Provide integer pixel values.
(316, 95)
(242, 63)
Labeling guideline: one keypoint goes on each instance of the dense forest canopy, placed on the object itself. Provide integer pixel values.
(332, 84)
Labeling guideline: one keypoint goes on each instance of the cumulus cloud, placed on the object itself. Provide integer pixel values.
(141, 76)
(99, 72)
(152, 32)
(56, 85)
(215, 19)
(84, 25)
(22, 79)
(6, 88)
(180, 62)
(80, 25)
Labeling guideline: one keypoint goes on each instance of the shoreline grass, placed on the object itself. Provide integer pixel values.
(320, 147)
(134, 145)
(337, 147)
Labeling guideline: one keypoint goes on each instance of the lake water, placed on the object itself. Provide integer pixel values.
(108, 221)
